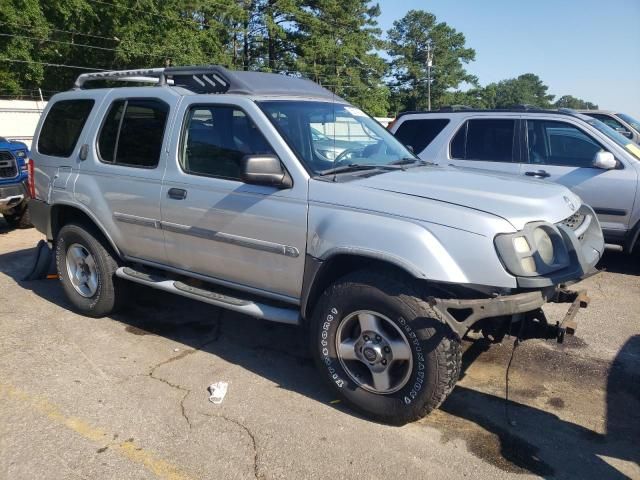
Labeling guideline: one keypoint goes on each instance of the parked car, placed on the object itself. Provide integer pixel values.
(387, 261)
(14, 158)
(621, 122)
(580, 152)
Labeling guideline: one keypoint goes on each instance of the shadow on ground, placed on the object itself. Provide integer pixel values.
(540, 442)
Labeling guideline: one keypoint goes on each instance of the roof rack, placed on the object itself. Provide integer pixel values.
(214, 79)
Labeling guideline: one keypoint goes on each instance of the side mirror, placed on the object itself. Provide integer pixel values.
(264, 170)
(605, 160)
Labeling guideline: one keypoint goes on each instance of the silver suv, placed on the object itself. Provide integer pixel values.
(217, 186)
(582, 153)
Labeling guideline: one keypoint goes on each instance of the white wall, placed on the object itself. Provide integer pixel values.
(18, 119)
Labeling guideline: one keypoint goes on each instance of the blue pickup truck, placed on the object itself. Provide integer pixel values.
(14, 190)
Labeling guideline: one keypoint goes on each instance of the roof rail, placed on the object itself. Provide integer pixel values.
(454, 108)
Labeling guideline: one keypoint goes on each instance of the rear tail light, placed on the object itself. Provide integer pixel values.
(391, 123)
(31, 181)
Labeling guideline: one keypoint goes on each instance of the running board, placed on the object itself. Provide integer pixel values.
(264, 311)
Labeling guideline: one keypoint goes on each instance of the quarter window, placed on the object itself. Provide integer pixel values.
(559, 143)
(216, 138)
(63, 126)
(490, 140)
(133, 132)
(420, 133)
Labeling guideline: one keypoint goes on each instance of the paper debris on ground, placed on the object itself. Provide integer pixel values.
(218, 390)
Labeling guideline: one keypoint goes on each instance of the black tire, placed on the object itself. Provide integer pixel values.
(435, 351)
(110, 294)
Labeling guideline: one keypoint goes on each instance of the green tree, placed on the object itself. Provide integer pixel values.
(569, 101)
(408, 44)
(525, 89)
(335, 46)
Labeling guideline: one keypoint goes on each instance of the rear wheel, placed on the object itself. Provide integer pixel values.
(86, 268)
(382, 348)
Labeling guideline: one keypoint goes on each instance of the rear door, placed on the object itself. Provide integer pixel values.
(120, 181)
(488, 144)
(562, 152)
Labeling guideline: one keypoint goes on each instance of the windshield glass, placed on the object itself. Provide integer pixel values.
(618, 138)
(326, 135)
(630, 120)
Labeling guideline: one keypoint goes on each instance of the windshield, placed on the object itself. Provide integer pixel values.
(621, 140)
(630, 120)
(327, 135)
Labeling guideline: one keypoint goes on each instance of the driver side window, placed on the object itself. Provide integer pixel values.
(559, 143)
(216, 138)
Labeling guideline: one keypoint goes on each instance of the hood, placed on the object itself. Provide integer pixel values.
(513, 198)
(12, 145)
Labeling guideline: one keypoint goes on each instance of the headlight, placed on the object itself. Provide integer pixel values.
(21, 153)
(538, 249)
(329, 154)
(543, 243)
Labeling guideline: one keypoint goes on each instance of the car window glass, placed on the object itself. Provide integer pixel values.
(419, 133)
(133, 132)
(62, 127)
(610, 122)
(486, 140)
(559, 143)
(215, 140)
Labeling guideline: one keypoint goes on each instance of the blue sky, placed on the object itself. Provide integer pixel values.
(586, 48)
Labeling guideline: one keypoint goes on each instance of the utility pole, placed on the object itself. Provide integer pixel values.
(429, 65)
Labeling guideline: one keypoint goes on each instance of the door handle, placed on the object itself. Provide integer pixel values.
(177, 193)
(538, 174)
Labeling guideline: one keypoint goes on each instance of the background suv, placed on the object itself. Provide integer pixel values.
(620, 122)
(580, 152)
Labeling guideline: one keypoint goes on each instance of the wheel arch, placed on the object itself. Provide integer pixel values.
(62, 214)
(320, 273)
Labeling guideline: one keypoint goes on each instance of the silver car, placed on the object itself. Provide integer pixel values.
(208, 185)
(577, 151)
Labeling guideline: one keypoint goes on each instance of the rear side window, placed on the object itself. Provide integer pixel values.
(216, 138)
(132, 132)
(63, 126)
(420, 133)
(490, 140)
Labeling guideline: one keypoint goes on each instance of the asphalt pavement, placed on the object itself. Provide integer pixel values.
(126, 397)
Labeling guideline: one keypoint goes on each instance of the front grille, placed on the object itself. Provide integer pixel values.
(8, 165)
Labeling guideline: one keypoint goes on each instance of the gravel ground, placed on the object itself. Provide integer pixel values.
(126, 397)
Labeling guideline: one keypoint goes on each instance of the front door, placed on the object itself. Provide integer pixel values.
(561, 152)
(247, 236)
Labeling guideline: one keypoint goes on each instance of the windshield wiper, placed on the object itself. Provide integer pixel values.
(411, 161)
(355, 167)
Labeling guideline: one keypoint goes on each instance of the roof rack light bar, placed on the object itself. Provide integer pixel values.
(149, 75)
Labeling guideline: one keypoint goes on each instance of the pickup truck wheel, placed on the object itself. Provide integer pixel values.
(86, 269)
(382, 348)
(20, 219)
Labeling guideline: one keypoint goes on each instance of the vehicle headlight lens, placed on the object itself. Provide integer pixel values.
(21, 154)
(329, 154)
(544, 245)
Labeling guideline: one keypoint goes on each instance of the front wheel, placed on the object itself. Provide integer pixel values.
(382, 348)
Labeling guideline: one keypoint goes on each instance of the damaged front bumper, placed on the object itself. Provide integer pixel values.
(523, 308)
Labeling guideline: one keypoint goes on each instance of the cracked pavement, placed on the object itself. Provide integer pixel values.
(126, 397)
